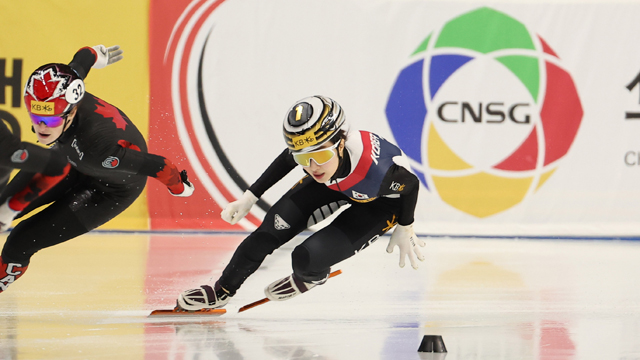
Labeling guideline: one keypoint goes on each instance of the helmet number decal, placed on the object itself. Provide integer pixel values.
(75, 91)
(298, 112)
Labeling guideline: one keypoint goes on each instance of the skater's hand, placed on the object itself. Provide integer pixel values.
(7, 215)
(188, 186)
(236, 210)
(405, 239)
(107, 55)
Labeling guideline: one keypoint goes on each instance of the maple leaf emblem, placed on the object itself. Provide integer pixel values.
(109, 111)
(48, 86)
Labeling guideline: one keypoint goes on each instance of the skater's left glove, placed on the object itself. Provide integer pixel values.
(7, 214)
(238, 209)
(107, 55)
(188, 186)
(405, 239)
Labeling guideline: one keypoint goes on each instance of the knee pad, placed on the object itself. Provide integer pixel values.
(303, 268)
(300, 259)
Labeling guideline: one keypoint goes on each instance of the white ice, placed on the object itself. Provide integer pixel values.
(488, 298)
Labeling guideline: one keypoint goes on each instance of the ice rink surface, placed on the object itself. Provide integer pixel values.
(488, 298)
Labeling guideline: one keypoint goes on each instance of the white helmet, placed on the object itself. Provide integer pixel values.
(311, 122)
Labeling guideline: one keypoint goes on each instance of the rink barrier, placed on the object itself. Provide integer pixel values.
(308, 233)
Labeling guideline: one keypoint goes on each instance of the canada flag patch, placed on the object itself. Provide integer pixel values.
(111, 162)
(19, 156)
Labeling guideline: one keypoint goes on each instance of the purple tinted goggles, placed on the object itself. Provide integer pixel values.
(50, 121)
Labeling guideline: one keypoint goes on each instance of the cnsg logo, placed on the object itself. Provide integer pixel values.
(485, 111)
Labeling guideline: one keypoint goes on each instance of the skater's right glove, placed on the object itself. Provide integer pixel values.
(188, 186)
(7, 214)
(107, 55)
(236, 210)
(405, 238)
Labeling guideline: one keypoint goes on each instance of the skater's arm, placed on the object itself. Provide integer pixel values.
(83, 60)
(9, 144)
(15, 154)
(97, 57)
(409, 201)
(33, 158)
(400, 181)
(163, 170)
(278, 169)
(31, 186)
(127, 158)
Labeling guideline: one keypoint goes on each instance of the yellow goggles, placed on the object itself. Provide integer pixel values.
(320, 157)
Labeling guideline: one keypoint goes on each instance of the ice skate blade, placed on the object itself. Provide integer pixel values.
(174, 312)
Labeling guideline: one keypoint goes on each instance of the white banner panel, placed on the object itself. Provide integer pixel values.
(519, 118)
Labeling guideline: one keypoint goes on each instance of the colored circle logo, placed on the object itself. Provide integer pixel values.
(485, 111)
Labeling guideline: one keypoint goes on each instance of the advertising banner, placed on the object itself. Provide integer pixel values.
(519, 119)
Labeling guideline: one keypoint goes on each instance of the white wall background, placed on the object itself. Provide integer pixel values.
(262, 56)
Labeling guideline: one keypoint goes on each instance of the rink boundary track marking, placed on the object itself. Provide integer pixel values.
(453, 236)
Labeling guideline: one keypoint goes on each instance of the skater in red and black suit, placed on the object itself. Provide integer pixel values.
(358, 168)
(108, 163)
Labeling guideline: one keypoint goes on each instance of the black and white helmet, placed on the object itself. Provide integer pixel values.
(311, 122)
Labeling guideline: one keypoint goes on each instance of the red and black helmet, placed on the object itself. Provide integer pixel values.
(53, 90)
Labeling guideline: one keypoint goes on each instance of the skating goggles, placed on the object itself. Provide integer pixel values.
(320, 157)
(50, 121)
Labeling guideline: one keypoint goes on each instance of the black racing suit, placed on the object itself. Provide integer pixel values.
(109, 168)
(378, 206)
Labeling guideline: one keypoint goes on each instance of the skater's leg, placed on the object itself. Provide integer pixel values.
(352, 231)
(286, 218)
(78, 211)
